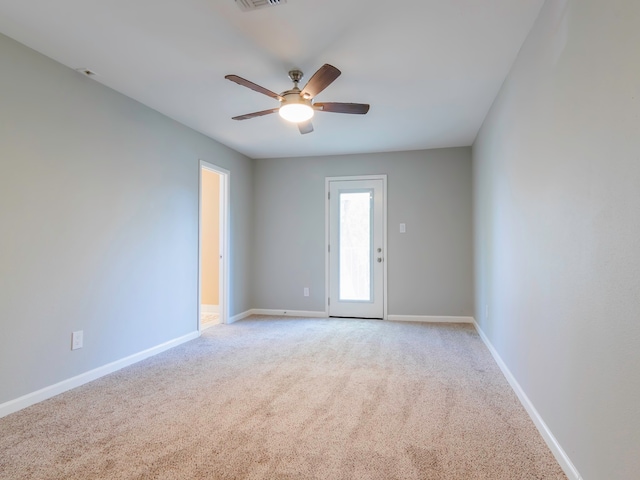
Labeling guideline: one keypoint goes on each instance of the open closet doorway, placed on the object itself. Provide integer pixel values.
(213, 292)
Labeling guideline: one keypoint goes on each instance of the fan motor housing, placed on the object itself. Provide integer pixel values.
(294, 97)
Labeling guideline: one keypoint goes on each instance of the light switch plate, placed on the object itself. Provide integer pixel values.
(403, 228)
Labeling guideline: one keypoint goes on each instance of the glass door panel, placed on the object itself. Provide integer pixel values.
(355, 248)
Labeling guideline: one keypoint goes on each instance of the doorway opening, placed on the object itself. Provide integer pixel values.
(356, 235)
(213, 265)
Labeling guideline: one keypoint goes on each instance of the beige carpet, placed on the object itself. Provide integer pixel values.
(289, 399)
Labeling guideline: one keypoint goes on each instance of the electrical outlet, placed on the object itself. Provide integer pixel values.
(306, 291)
(76, 339)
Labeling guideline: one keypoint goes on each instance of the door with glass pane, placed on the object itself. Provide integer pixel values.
(356, 248)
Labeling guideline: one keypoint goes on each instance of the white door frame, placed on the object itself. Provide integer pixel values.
(225, 180)
(382, 177)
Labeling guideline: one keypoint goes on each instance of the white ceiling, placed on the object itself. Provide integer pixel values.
(429, 68)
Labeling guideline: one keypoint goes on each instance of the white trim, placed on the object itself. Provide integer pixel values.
(52, 390)
(209, 308)
(385, 251)
(198, 269)
(327, 283)
(429, 319)
(327, 180)
(288, 313)
(240, 316)
(278, 313)
(225, 240)
(225, 182)
(561, 456)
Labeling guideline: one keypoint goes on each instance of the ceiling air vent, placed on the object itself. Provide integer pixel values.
(248, 5)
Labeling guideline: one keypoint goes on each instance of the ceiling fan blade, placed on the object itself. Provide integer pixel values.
(305, 127)
(320, 80)
(255, 114)
(337, 107)
(255, 87)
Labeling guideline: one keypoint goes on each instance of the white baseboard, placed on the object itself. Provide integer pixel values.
(239, 316)
(316, 314)
(52, 390)
(561, 456)
(288, 313)
(209, 308)
(429, 319)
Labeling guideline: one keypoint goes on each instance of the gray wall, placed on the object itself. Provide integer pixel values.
(99, 223)
(557, 222)
(429, 267)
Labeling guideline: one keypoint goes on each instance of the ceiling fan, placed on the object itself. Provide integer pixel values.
(297, 105)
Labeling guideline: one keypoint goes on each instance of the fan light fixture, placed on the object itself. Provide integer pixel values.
(296, 112)
(295, 108)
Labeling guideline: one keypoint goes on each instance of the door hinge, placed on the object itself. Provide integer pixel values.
(329, 248)
(328, 195)
(329, 301)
